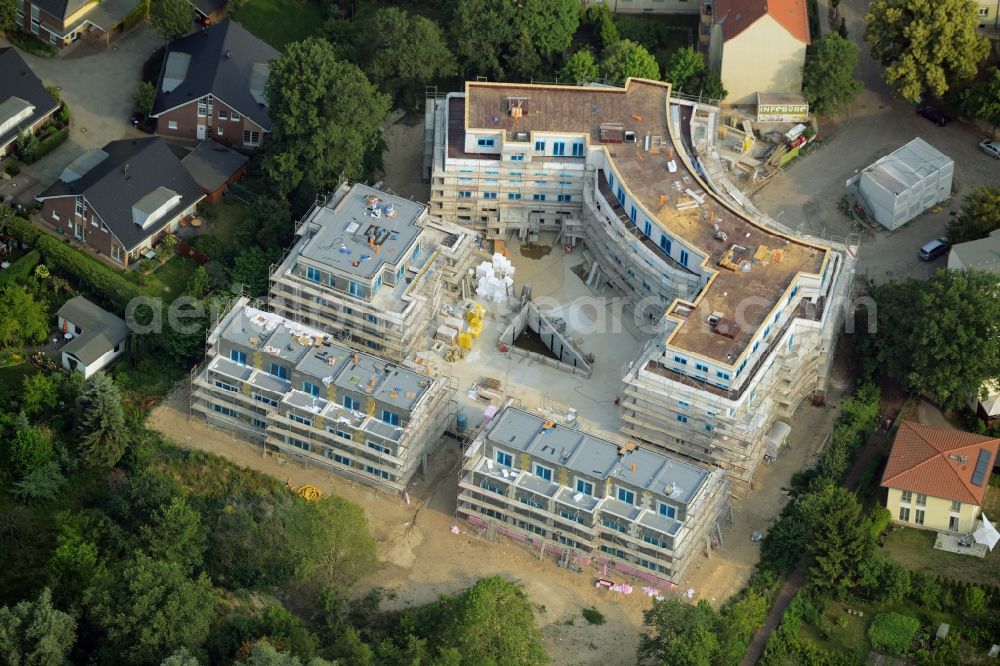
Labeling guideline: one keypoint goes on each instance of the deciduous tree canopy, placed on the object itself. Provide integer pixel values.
(828, 82)
(625, 58)
(926, 45)
(979, 217)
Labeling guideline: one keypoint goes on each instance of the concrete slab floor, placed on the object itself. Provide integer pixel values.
(594, 317)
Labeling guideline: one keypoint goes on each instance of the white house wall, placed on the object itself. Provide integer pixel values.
(765, 57)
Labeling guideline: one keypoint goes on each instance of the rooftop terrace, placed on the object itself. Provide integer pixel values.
(762, 263)
(362, 231)
(521, 431)
(313, 353)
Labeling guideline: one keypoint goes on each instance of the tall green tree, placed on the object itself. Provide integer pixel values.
(601, 23)
(181, 657)
(34, 633)
(481, 31)
(680, 634)
(581, 67)
(265, 654)
(331, 538)
(8, 15)
(685, 66)
(939, 335)
(148, 608)
(522, 60)
(30, 449)
(492, 623)
(828, 82)
(625, 58)
(926, 46)
(143, 98)
(23, 320)
(175, 534)
(551, 24)
(982, 100)
(39, 394)
(101, 426)
(251, 268)
(326, 117)
(171, 18)
(979, 217)
(403, 48)
(839, 538)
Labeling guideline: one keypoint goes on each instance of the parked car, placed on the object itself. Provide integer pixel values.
(934, 115)
(991, 148)
(934, 249)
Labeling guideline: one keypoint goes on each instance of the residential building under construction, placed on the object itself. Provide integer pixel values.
(307, 397)
(744, 313)
(564, 491)
(373, 270)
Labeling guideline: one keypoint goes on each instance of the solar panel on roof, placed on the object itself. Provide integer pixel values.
(979, 475)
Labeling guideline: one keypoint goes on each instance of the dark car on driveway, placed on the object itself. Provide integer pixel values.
(933, 115)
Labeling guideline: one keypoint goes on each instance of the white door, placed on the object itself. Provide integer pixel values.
(201, 132)
(78, 232)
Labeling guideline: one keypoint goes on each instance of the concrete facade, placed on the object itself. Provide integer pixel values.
(905, 183)
(292, 388)
(564, 491)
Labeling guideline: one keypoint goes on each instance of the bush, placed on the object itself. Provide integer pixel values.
(19, 271)
(12, 168)
(96, 279)
(51, 142)
(26, 146)
(893, 632)
(593, 616)
(28, 42)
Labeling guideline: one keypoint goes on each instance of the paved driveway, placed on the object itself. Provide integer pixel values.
(806, 195)
(98, 89)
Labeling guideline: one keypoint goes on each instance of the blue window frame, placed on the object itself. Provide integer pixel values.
(399, 273)
(378, 283)
(299, 419)
(611, 179)
(578, 149)
(626, 495)
(723, 375)
(621, 196)
(279, 371)
(530, 501)
(683, 404)
(649, 538)
(310, 388)
(381, 448)
(614, 524)
(313, 274)
(377, 472)
(665, 243)
(684, 258)
(631, 213)
(238, 357)
(416, 251)
(667, 510)
(538, 197)
(517, 157)
(540, 146)
(571, 516)
(225, 411)
(486, 485)
(701, 366)
(392, 418)
(563, 198)
(543, 472)
(489, 195)
(558, 148)
(355, 288)
(350, 402)
(336, 457)
(465, 194)
(682, 418)
(647, 228)
(585, 487)
(226, 386)
(681, 360)
(486, 143)
(709, 427)
(514, 196)
(504, 459)
(298, 443)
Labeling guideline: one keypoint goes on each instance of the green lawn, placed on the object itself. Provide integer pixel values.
(279, 22)
(228, 215)
(914, 549)
(852, 638)
(170, 279)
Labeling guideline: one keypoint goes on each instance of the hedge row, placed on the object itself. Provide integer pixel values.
(102, 282)
(20, 270)
(51, 142)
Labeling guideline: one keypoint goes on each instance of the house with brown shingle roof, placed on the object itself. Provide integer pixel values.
(937, 479)
(756, 45)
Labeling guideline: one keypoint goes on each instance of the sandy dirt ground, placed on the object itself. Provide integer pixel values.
(402, 159)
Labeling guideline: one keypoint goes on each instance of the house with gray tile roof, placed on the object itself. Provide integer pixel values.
(25, 104)
(96, 337)
(120, 199)
(211, 86)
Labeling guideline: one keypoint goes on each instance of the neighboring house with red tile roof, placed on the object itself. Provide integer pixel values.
(756, 45)
(937, 479)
